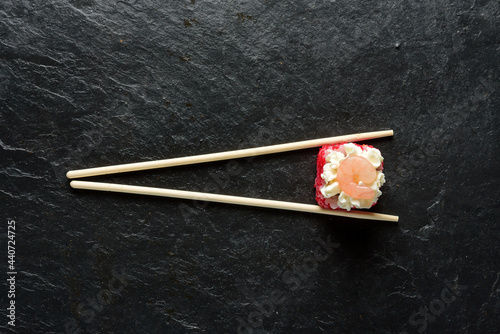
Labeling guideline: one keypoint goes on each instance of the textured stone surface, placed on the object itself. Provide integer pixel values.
(89, 83)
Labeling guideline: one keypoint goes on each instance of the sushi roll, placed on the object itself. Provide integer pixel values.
(349, 176)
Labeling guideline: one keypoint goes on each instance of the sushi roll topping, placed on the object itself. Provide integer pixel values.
(354, 174)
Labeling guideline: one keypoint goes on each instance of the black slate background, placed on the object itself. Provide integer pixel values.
(89, 83)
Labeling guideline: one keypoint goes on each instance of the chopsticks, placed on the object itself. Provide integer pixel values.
(265, 203)
(256, 202)
(132, 167)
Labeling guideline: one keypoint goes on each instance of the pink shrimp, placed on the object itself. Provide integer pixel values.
(351, 171)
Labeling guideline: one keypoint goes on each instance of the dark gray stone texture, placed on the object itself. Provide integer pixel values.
(89, 83)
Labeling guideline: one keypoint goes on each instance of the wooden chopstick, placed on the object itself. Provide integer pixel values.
(225, 155)
(256, 202)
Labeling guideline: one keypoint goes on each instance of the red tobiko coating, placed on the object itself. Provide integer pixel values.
(321, 161)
